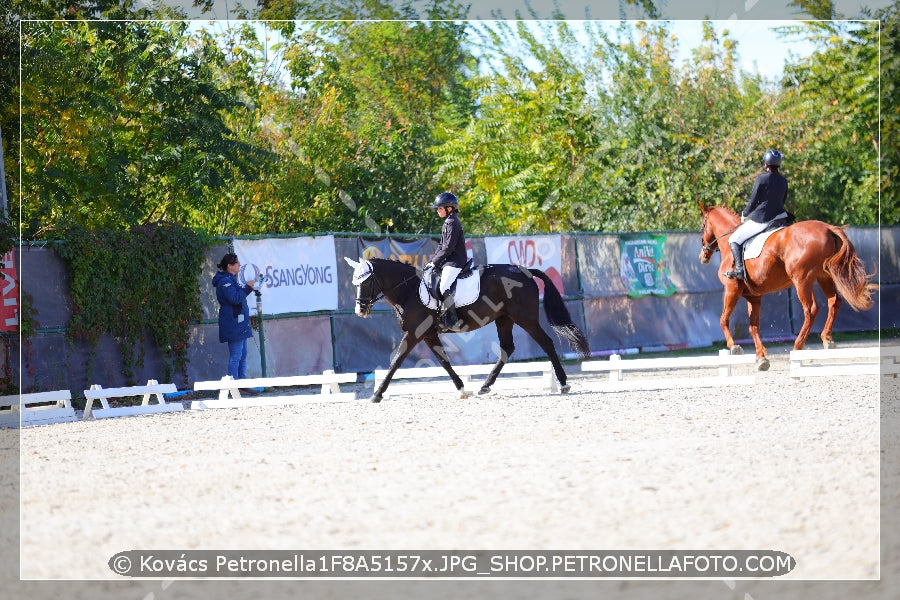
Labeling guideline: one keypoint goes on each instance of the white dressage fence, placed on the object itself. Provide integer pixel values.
(153, 389)
(230, 390)
(617, 367)
(514, 376)
(39, 408)
(842, 362)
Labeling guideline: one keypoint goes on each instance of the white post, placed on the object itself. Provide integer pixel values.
(615, 374)
(724, 370)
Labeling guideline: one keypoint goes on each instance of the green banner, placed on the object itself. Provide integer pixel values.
(644, 268)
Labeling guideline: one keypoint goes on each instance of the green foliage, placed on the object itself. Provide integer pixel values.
(123, 124)
(134, 284)
(350, 125)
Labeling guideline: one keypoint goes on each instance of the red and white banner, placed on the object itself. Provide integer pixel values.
(532, 251)
(301, 273)
(9, 305)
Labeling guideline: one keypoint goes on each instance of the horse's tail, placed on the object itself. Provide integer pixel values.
(559, 318)
(849, 273)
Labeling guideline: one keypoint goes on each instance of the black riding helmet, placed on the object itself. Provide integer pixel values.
(772, 158)
(445, 199)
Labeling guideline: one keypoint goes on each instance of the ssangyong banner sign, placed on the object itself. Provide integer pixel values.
(301, 273)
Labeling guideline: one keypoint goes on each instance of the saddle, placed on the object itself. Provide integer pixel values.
(754, 245)
(434, 281)
(465, 290)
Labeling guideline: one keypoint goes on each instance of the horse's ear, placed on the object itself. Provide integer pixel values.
(703, 208)
(353, 264)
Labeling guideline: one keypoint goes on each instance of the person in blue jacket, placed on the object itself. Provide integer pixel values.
(234, 314)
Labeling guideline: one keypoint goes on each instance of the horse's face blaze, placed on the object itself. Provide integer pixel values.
(361, 311)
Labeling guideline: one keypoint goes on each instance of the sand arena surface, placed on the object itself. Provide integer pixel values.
(783, 465)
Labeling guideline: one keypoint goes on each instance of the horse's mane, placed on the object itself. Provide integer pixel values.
(729, 211)
(392, 261)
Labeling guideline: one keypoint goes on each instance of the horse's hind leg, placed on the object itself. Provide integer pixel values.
(537, 333)
(804, 288)
(834, 304)
(507, 347)
(754, 304)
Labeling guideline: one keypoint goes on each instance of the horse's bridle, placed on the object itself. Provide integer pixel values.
(712, 246)
(367, 303)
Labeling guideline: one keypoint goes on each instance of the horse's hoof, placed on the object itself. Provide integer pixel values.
(829, 345)
(564, 389)
(735, 350)
(463, 394)
(375, 399)
(484, 390)
(762, 364)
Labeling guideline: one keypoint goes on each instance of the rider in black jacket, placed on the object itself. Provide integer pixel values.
(766, 204)
(450, 256)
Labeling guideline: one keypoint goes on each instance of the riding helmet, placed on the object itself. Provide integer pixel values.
(772, 157)
(445, 199)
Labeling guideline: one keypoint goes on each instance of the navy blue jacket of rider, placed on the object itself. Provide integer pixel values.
(767, 198)
(452, 248)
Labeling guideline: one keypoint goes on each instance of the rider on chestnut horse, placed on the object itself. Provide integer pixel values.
(766, 204)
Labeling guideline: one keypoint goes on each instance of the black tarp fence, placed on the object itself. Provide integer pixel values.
(308, 343)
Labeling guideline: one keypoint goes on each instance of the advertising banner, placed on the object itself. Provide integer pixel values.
(534, 252)
(300, 273)
(9, 307)
(644, 266)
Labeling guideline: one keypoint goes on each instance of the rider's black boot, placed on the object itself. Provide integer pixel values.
(738, 272)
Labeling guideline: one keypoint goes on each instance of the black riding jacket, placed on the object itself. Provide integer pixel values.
(767, 198)
(452, 249)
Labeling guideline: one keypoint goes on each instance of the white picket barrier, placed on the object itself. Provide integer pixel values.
(840, 362)
(543, 381)
(38, 408)
(617, 367)
(230, 390)
(153, 389)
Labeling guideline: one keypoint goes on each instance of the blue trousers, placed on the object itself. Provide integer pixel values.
(237, 359)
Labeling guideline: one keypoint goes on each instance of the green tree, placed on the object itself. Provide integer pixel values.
(829, 109)
(354, 127)
(123, 124)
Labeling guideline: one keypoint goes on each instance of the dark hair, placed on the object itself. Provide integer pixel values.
(228, 259)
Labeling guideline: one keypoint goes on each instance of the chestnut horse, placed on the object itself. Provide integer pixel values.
(800, 255)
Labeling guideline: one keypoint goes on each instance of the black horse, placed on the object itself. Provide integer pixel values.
(509, 295)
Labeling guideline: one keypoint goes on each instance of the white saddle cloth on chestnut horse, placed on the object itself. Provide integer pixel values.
(753, 247)
(468, 287)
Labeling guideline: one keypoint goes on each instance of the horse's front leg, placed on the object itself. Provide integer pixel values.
(754, 304)
(440, 353)
(406, 345)
(729, 302)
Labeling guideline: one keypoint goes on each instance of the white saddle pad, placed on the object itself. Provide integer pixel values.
(753, 248)
(467, 291)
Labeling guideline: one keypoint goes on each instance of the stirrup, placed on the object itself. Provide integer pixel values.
(736, 274)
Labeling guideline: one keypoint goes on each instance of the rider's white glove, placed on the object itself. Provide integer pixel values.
(429, 266)
(743, 219)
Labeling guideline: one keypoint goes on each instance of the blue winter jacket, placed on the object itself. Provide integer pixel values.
(234, 312)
